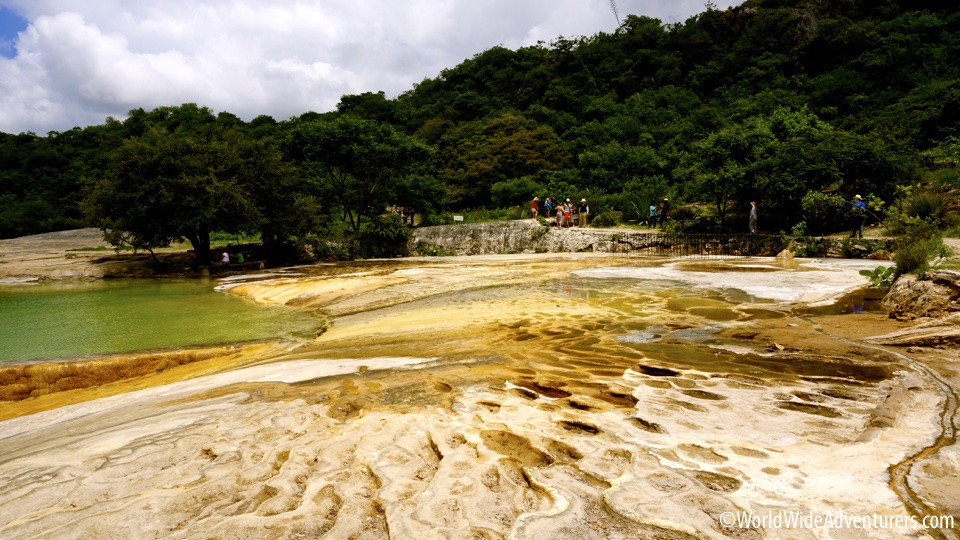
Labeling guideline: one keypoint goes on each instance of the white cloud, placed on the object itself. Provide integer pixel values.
(82, 60)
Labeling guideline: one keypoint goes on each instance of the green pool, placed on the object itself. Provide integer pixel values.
(113, 316)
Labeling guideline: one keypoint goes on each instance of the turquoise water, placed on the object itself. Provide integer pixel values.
(107, 316)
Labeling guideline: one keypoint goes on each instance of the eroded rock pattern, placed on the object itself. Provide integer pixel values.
(500, 398)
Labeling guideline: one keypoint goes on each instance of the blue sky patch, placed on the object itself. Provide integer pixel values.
(10, 25)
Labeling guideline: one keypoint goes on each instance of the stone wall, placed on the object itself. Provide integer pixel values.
(522, 236)
(528, 236)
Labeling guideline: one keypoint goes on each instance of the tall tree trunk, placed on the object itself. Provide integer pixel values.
(200, 240)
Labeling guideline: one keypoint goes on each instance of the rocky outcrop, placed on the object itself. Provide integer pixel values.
(529, 236)
(526, 236)
(845, 248)
(934, 301)
(938, 332)
(910, 297)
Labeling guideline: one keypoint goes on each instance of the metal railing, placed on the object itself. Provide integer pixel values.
(707, 246)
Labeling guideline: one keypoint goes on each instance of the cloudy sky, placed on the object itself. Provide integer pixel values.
(66, 63)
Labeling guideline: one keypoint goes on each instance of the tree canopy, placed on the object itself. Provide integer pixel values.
(777, 101)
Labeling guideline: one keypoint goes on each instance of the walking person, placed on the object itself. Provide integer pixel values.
(584, 210)
(753, 217)
(535, 207)
(859, 212)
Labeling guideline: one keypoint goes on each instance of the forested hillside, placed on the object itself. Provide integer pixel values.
(795, 104)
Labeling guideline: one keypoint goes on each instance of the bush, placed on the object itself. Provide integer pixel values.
(919, 244)
(931, 206)
(824, 213)
(516, 212)
(428, 249)
(600, 203)
(811, 246)
(517, 191)
(881, 277)
(385, 236)
(937, 206)
(606, 219)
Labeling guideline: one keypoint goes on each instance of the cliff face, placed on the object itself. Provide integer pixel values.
(525, 236)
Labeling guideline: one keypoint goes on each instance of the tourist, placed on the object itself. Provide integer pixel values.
(567, 211)
(535, 207)
(663, 210)
(652, 218)
(859, 212)
(753, 217)
(547, 206)
(225, 258)
(584, 211)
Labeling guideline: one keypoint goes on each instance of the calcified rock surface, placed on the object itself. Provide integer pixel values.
(506, 397)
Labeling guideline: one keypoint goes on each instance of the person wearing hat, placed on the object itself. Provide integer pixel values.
(859, 212)
(535, 207)
(663, 210)
(753, 217)
(583, 211)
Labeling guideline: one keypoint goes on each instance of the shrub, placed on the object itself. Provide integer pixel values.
(606, 219)
(824, 212)
(514, 213)
(600, 203)
(937, 206)
(385, 236)
(931, 206)
(517, 191)
(881, 277)
(800, 229)
(919, 244)
(811, 246)
(428, 249)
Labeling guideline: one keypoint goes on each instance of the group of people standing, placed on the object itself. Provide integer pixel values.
(562, 212)
(658, 213)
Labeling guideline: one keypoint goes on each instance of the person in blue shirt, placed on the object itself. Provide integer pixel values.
(859, 212)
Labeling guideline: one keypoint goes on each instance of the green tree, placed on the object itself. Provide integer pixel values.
(360, 164)
(170, 186)
(477, 155)
(724, 165)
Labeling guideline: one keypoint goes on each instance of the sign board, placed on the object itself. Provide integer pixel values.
(458, 218)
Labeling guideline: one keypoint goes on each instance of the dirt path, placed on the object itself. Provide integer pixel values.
(75, 254)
